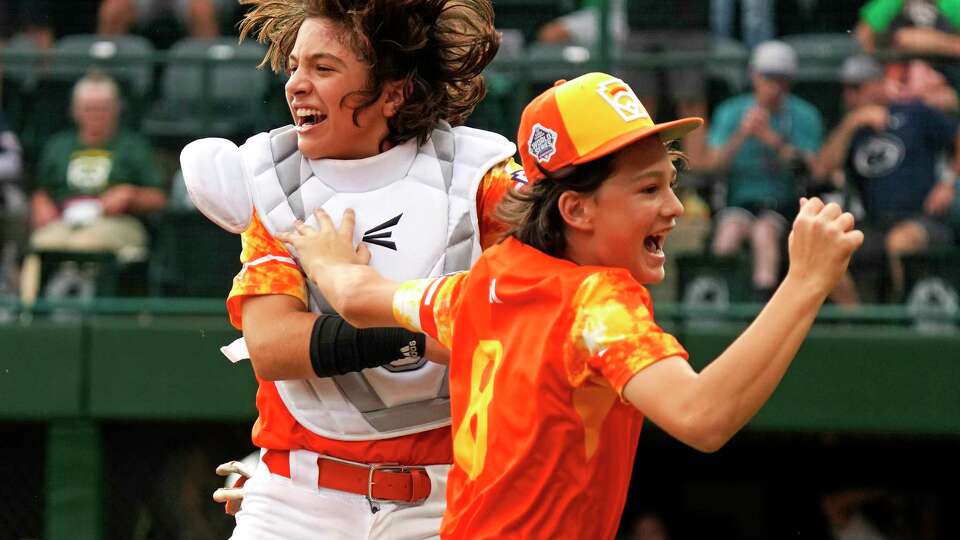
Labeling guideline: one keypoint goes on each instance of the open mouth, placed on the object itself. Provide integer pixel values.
(654, 244)
(308, 118)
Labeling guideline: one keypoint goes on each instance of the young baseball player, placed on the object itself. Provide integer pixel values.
(350, 449)
(556, 356)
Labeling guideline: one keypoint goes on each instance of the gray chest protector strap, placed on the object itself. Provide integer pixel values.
(416, 210)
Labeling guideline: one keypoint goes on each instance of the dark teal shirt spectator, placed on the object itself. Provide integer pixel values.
(756, 176)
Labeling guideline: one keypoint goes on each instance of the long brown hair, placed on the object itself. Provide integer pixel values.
(436, 48)
(532, 214)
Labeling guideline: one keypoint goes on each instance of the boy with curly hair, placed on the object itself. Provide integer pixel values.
(354, 424)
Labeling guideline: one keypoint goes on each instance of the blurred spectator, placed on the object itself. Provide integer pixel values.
(879, 514)
(644, 26)
(863, 82)
(756, 20)
(763, 142)
(116, 17)
(889, 146)
(918, 27)
(13, 208)
(90, 180)
(648, 526)
(582, 27)
(27, 17)
(916, 79)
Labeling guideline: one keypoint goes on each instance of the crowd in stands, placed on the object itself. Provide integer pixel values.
(878, 133)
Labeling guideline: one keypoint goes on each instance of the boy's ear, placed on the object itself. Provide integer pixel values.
(394, 94)
(577, 210)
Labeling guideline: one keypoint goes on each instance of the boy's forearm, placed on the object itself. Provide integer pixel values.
(362, 296)
(744, 376)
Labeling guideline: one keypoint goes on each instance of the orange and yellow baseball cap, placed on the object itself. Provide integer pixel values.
(585, 119)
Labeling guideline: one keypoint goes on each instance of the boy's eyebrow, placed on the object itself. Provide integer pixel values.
(318, 56)
(641, 176)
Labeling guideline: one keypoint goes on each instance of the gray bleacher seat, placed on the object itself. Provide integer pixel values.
(821, 53)
(227, 100)
(129, 59)
(21, 61)
(728, 63)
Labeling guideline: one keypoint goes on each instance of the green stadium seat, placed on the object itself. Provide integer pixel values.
(821, 53)
(80, 276)
(818, 79)
(550, 62)
(22, 62)
(46, 102)
(210, 88)
(500, 109)
(932, 285)
(129, 59)
(709, 282)
(192, 257)
(728, 64)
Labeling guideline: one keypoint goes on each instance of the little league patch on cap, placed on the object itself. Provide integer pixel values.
(542, 144)
(585, 119)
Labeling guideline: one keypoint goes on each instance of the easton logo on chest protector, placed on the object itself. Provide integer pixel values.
(378, 236)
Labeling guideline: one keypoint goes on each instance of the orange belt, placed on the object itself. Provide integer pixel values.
(383, 482)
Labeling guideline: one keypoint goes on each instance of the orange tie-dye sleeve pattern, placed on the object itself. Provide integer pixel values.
(268, 268)
(614, 332)
(499, 179)
(430, 305)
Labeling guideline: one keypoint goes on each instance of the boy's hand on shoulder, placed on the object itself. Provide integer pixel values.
(326, 246)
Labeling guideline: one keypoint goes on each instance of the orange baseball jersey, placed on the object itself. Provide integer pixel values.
(269, 269)
(541, 351)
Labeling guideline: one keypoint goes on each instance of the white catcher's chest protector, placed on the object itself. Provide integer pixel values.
(416, 210)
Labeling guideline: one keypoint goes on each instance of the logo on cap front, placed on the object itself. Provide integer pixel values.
(619, 96)
(543, 143)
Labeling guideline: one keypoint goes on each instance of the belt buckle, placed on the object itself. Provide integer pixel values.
(389, 467)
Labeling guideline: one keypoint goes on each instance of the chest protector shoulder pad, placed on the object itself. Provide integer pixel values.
(416, 210)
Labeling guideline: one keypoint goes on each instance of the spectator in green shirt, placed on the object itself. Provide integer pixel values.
(920, 26)
(92, 180)
(928, 28)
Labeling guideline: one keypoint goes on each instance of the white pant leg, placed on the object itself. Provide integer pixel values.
(276, 508)
(414, 522)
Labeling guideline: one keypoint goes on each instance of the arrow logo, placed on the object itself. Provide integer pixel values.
(378, 236)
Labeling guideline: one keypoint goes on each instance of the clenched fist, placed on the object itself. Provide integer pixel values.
(821, 243)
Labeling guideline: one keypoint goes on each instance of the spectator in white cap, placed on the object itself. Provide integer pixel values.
(760, 143)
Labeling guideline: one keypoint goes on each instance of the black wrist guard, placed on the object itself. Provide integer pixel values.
(337, 348)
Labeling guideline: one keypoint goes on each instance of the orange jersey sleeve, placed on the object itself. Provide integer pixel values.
(504, 176)
(614, 333)
(430, 305)
(268, 268)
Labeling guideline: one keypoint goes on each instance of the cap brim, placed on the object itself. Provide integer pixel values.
(668, 131)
